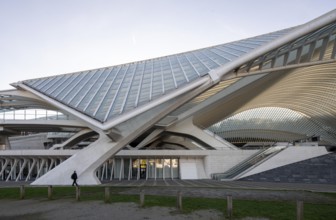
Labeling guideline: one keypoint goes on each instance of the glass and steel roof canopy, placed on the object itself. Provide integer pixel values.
(108, 92)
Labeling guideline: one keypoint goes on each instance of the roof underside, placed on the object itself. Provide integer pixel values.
(106, 93)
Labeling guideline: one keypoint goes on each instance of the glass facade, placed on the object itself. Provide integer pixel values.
(135, 169)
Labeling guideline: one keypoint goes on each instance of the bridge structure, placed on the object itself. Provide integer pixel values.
(192, 115)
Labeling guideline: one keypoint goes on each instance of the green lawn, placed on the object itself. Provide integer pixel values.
(241, 208)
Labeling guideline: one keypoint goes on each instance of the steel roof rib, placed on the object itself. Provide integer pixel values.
(65, 85)
(140, 85)
(205, 53)
(192, 65)
(184, 73)
(333, 53)
(130, 102)
(80, 91)
(242, 44)
(199, 62)
(228, 52)
(52, 83)
(151, 81)
(172, 72)
(234, 47)
(197, 55)
(57, 84)
(37, 82)
(162, 79)
(220, 52)
(71, 95)
(109, 86)
(98, 87)
(127, 93)
(86, 92)
(109, 111)
(73, 84)
(47, 85)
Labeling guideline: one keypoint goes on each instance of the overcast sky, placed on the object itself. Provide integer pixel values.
(40, 38)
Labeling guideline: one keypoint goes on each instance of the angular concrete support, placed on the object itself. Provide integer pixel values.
(52, 163)
(12, 171)
(31, 169)
(149, 138)
(76, 138)
(187, 125)
(25, 161)
(85, 162)
(4, 166)
(39, 173)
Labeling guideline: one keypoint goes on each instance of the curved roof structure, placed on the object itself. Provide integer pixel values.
(293, 69)
(279, 86)
(108, 92)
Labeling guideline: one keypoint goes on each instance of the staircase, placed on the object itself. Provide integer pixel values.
(248, 164)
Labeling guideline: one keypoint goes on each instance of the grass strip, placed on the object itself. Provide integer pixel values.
(283, 210)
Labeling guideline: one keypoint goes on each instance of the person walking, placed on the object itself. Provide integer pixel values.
(74, 178)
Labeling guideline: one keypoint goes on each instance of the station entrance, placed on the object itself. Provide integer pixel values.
(139, 168)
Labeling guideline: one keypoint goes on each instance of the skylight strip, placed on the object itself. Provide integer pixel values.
(109, 111)
(107, 90)
(140, 85)
(76, 88)
(49, 84)
(69, 80)
(57, 84)
(97, 90)
(87, 90)
(184, 73)
(128, 91)
(171, 70)
(72, 85)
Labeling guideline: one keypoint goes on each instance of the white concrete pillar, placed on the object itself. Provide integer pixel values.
(112, 169)
(130, 169)
(101, 171)
(12, 170)
(106, 170)
(121, 173)
(155, 169)
(25, 161)
(163, 169)
(31, 169)
(147, 163)
(171, 168)
(39, 172)
(3, 169)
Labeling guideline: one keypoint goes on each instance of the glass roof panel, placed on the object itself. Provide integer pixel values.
(104, 94)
